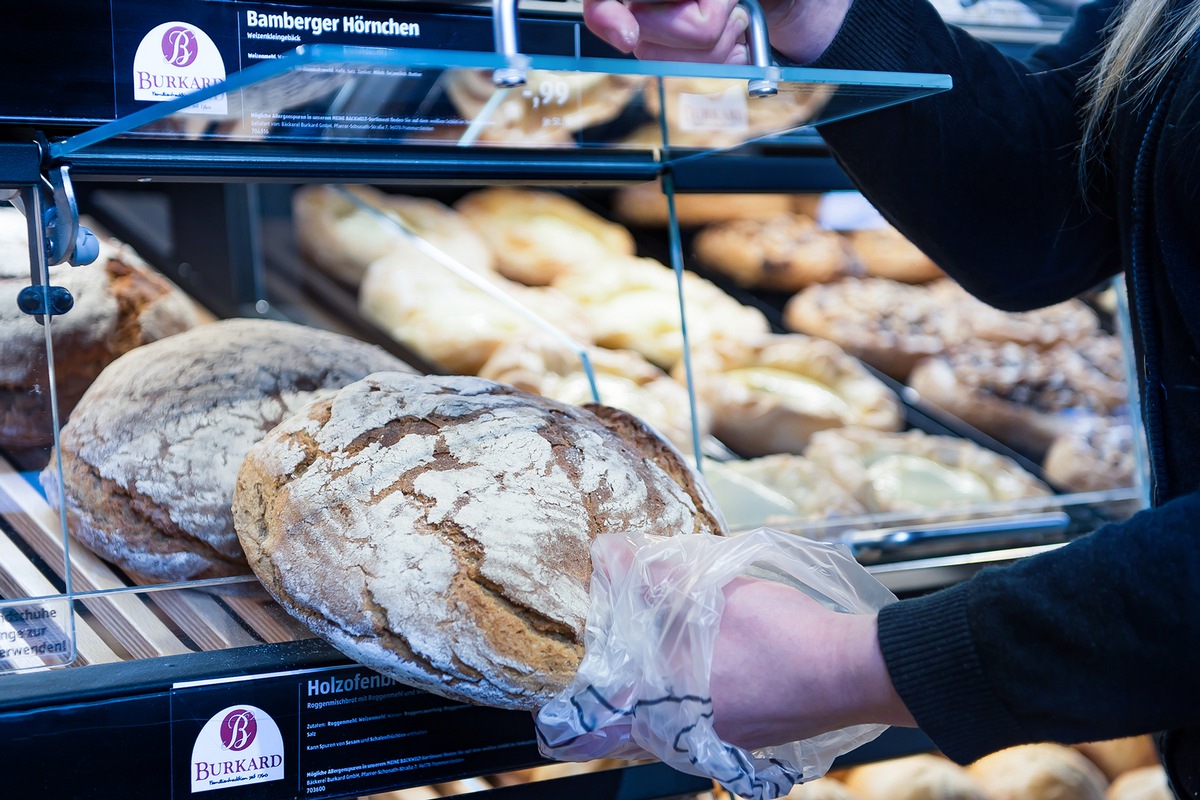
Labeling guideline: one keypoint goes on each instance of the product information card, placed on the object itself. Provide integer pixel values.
(339, 732)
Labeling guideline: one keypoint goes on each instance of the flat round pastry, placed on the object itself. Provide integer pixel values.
(782, 253)
(916, 471)
(1022, 395)
(343, 237)
(438, 529)
(1039, 772)
(820, 789)
(1143, 783)
(624, 379)
(120, 303)
(771, 394)
(888, 324)
(551, 108)
(633, 304)
(807, 485)
(645, 205)
(538, 236)
(919, 777)
(1092, 454)
(887, 253)
(151, 454)
(456, 325)
(1071, 321)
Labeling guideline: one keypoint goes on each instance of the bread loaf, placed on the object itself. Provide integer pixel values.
(152, 452)
(1039, 772)
(919, 777)
(437, 529)
(120, 303)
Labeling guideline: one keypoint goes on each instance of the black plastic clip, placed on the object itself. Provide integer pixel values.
(45, 301)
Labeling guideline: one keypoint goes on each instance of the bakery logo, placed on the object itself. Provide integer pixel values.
(175, 59)
(238, 746)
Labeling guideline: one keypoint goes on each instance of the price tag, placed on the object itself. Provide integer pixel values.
(723, 112)
(36, 634)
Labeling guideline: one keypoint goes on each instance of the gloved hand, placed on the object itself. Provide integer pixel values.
(643, 688)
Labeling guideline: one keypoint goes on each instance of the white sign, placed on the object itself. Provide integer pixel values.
(719, 112)
(177, 58)
(238, 746)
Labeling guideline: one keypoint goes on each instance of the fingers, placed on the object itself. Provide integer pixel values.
(680, 30)
(613, 22)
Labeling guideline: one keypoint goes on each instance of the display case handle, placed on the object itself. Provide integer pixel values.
(504, 30)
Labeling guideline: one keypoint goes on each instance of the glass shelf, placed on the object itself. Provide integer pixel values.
(323, 94)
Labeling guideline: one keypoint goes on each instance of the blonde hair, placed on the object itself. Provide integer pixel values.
(1144, 42)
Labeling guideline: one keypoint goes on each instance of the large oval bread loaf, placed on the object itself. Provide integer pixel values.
(151, 453)
(438, 529)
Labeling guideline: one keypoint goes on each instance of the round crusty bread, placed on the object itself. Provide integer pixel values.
(120, 303)
(1116, 756)
(1143, 783)
(437, 529)
(1039, 772)
(920, 777)
(151, 454)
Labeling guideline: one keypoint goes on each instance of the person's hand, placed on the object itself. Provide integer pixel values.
(713, 30)
(711, 654)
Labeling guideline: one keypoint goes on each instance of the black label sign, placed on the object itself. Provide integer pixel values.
(338, 732)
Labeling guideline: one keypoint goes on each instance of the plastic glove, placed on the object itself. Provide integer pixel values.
(642, 689)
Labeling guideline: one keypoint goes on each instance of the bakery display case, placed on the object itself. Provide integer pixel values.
(254, 267)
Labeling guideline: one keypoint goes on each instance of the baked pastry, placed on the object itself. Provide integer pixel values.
(645, 205)
(437, 529)
(1092, 454)
(633, 304)
(916, 471)
(771, 394)
(920, 777)
(1070, 321)
(1143, 783)
(1115, 756)
(120, 303)
(624, 380)
(1039, 772)
(887, 253)
(808, 486)
(152, 452)
(552, 109)
(343, 237)
(888, 324)
(1023, 395)
(456, 325)
(538, 236)
(782, 253)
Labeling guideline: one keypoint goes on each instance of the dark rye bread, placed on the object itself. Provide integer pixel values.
(151, 454)
(438, 529)
(120, 304)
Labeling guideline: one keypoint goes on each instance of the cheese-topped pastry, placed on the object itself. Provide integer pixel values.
(770, 394)
(916, 471)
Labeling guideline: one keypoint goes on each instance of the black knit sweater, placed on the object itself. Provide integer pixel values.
(1100, 638)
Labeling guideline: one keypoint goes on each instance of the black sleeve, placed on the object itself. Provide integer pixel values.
(983, 177)
(1095, 640)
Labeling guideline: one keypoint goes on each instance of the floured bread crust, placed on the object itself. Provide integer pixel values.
(916, 471)
(343, 238)
(437, 529)
(151, 454)
(771, 394)
(120, 303)
(1039, 772)
(920, 777)
(624, 379)
(538, 236)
